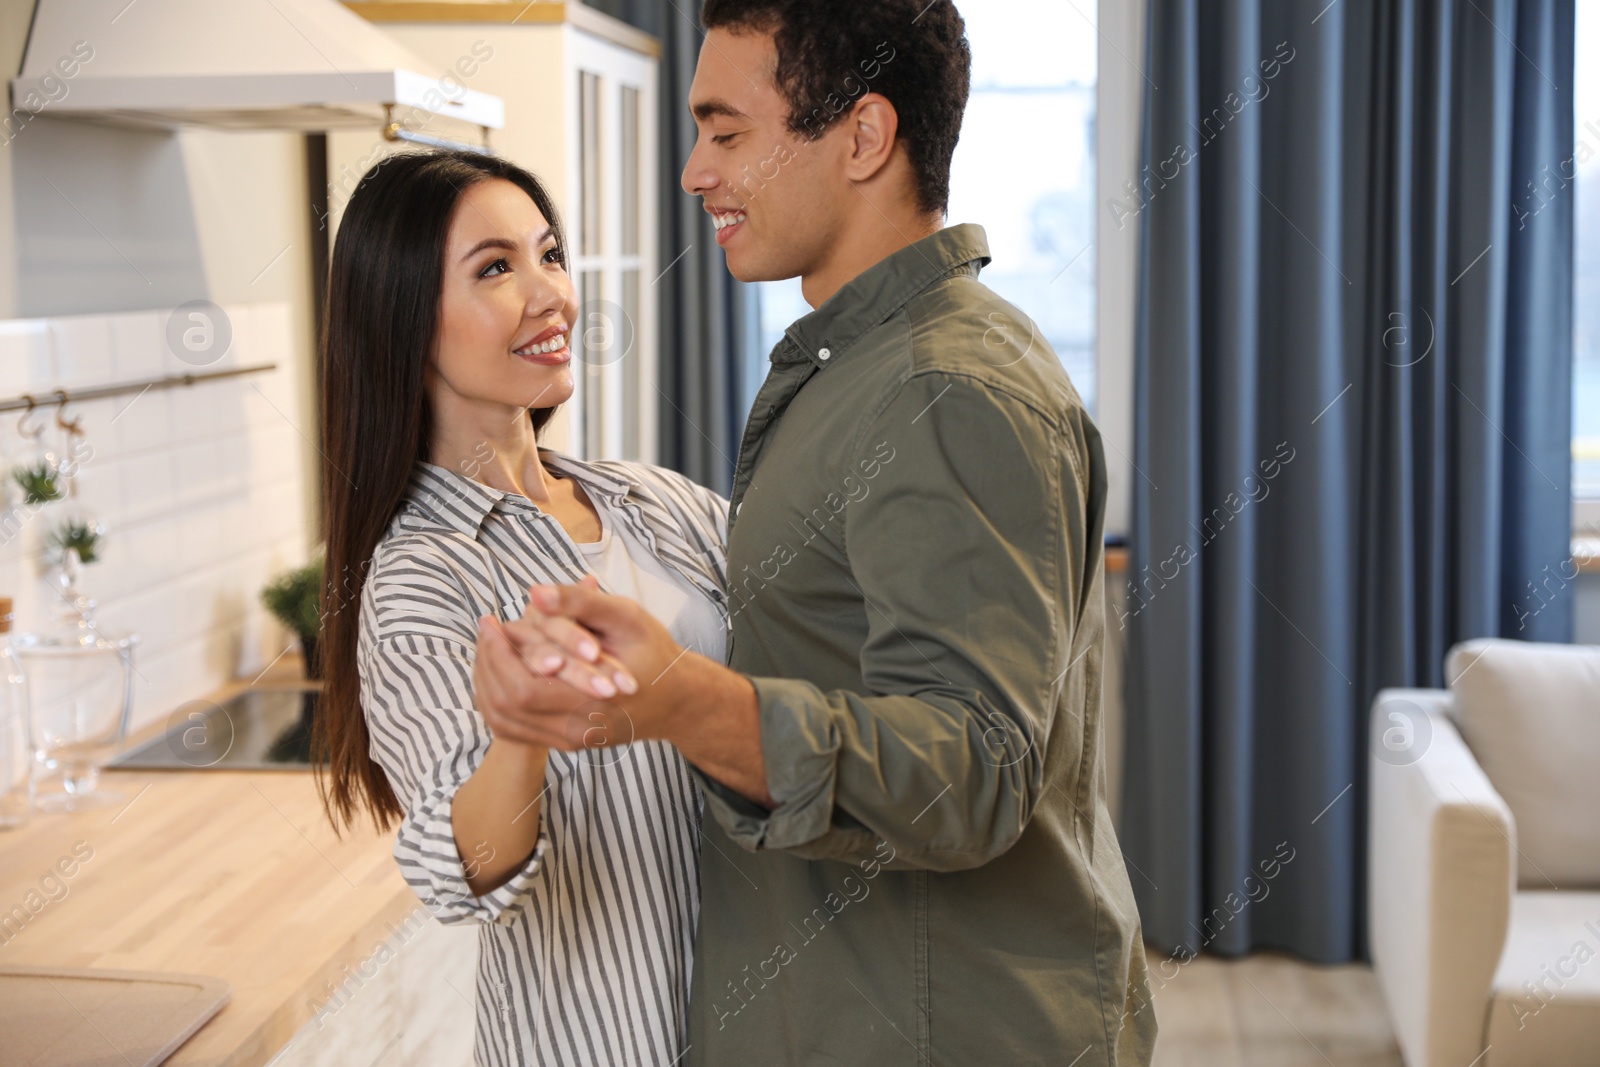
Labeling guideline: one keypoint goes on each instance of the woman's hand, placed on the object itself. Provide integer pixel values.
(527, 694)
(576, 658)
(582, 622)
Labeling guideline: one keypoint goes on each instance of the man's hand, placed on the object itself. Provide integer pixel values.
(535, 692)
(597, 627)
(523, 698)
(589, 627)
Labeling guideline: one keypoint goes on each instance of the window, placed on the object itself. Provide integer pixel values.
(1586, 312)
(1025, 171)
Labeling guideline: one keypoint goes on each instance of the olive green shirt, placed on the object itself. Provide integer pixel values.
(914, 570)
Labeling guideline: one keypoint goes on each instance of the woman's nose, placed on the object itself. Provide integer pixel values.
(546, 292)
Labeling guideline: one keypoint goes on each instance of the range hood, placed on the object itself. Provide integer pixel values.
(234, 64)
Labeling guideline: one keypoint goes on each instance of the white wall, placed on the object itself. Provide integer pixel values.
(1119, 123)
(1586, 623)
(105, 219)
(14, 17)
(209, 489)
(199, 486)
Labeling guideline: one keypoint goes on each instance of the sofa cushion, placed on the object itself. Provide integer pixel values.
(1531, 715)
(1544, 1007)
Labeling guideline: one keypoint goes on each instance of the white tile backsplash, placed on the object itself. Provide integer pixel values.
(145, 482)
(142, 420)
(82, 345)
(25, 355)
(137, 346)
(200, 488)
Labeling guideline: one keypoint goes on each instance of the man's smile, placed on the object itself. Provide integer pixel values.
(727, 223)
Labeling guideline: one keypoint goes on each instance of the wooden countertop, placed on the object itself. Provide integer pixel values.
(231, 874)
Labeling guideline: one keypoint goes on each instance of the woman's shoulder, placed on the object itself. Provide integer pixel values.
(674, 489)
(425, 582)
(414, 538)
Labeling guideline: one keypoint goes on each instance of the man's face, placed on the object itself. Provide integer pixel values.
(774, 195)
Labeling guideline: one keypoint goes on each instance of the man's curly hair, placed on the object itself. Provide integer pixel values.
(832, 52)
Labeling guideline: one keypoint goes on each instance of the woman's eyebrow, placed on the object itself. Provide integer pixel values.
(490, 242)
(505, 243)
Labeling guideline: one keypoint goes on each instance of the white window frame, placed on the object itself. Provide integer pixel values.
(1585, 510)
(617, 67)
(1119, 124)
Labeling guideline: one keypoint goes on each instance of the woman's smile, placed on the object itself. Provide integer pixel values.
(549, 348)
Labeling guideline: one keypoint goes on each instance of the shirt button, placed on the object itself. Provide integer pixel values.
(824, 354)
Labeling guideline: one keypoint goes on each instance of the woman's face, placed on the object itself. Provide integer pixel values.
(507, 307)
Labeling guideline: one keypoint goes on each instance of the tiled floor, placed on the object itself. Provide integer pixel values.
(1269, 1011)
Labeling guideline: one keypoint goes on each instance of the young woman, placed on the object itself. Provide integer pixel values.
(445, 350)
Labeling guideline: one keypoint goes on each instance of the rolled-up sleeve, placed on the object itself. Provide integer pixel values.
(429, 738)
(963, 554)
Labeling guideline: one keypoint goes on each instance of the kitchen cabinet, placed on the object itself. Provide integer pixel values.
(582, 108)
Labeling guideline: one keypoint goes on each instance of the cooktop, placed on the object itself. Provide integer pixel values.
(257, 729)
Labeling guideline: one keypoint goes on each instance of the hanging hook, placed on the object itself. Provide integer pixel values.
(37, 429)
(73, 426)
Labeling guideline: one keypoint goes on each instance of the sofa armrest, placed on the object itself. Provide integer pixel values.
(1441, 872)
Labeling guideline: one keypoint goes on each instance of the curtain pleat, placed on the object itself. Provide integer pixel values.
(1353, 392)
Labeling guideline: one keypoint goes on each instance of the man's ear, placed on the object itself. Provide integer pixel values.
(874, 127)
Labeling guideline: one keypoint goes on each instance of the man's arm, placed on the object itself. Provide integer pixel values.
(715, 721)
(969, 556)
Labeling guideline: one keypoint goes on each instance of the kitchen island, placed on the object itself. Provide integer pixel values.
(237, 875)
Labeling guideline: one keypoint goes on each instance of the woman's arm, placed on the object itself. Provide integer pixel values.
(431, 740)
(495, 817)
(438, 732)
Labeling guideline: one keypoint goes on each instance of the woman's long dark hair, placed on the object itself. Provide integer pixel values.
(378, 328)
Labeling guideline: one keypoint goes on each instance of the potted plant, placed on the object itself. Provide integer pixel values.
(294, 598)
(39, 482)
(82, 534)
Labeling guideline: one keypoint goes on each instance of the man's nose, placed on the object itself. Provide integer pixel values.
(698, 179)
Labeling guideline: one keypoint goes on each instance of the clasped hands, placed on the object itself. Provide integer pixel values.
(580, 669)
(585, 670)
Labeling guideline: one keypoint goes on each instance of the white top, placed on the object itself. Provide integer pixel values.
(585, 954)
(626, 567)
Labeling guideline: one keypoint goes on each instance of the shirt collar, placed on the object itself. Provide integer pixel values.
(878, 292)
(461, 504)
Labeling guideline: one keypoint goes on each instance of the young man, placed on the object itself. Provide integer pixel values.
(910, 860)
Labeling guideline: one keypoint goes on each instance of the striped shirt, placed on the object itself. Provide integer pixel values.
(585, 953)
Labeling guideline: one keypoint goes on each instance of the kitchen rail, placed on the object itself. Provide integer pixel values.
(28, 402)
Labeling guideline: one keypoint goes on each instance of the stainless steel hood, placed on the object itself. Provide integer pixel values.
(234, 64)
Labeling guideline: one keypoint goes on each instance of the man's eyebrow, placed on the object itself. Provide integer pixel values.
(707, 109)
(505, 243)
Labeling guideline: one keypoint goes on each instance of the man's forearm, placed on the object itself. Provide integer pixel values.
(714, 719)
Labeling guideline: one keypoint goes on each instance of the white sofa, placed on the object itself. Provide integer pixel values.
(1484, 858)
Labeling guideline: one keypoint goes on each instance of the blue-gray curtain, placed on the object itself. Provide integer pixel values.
(710, 323)
(1353, 400)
